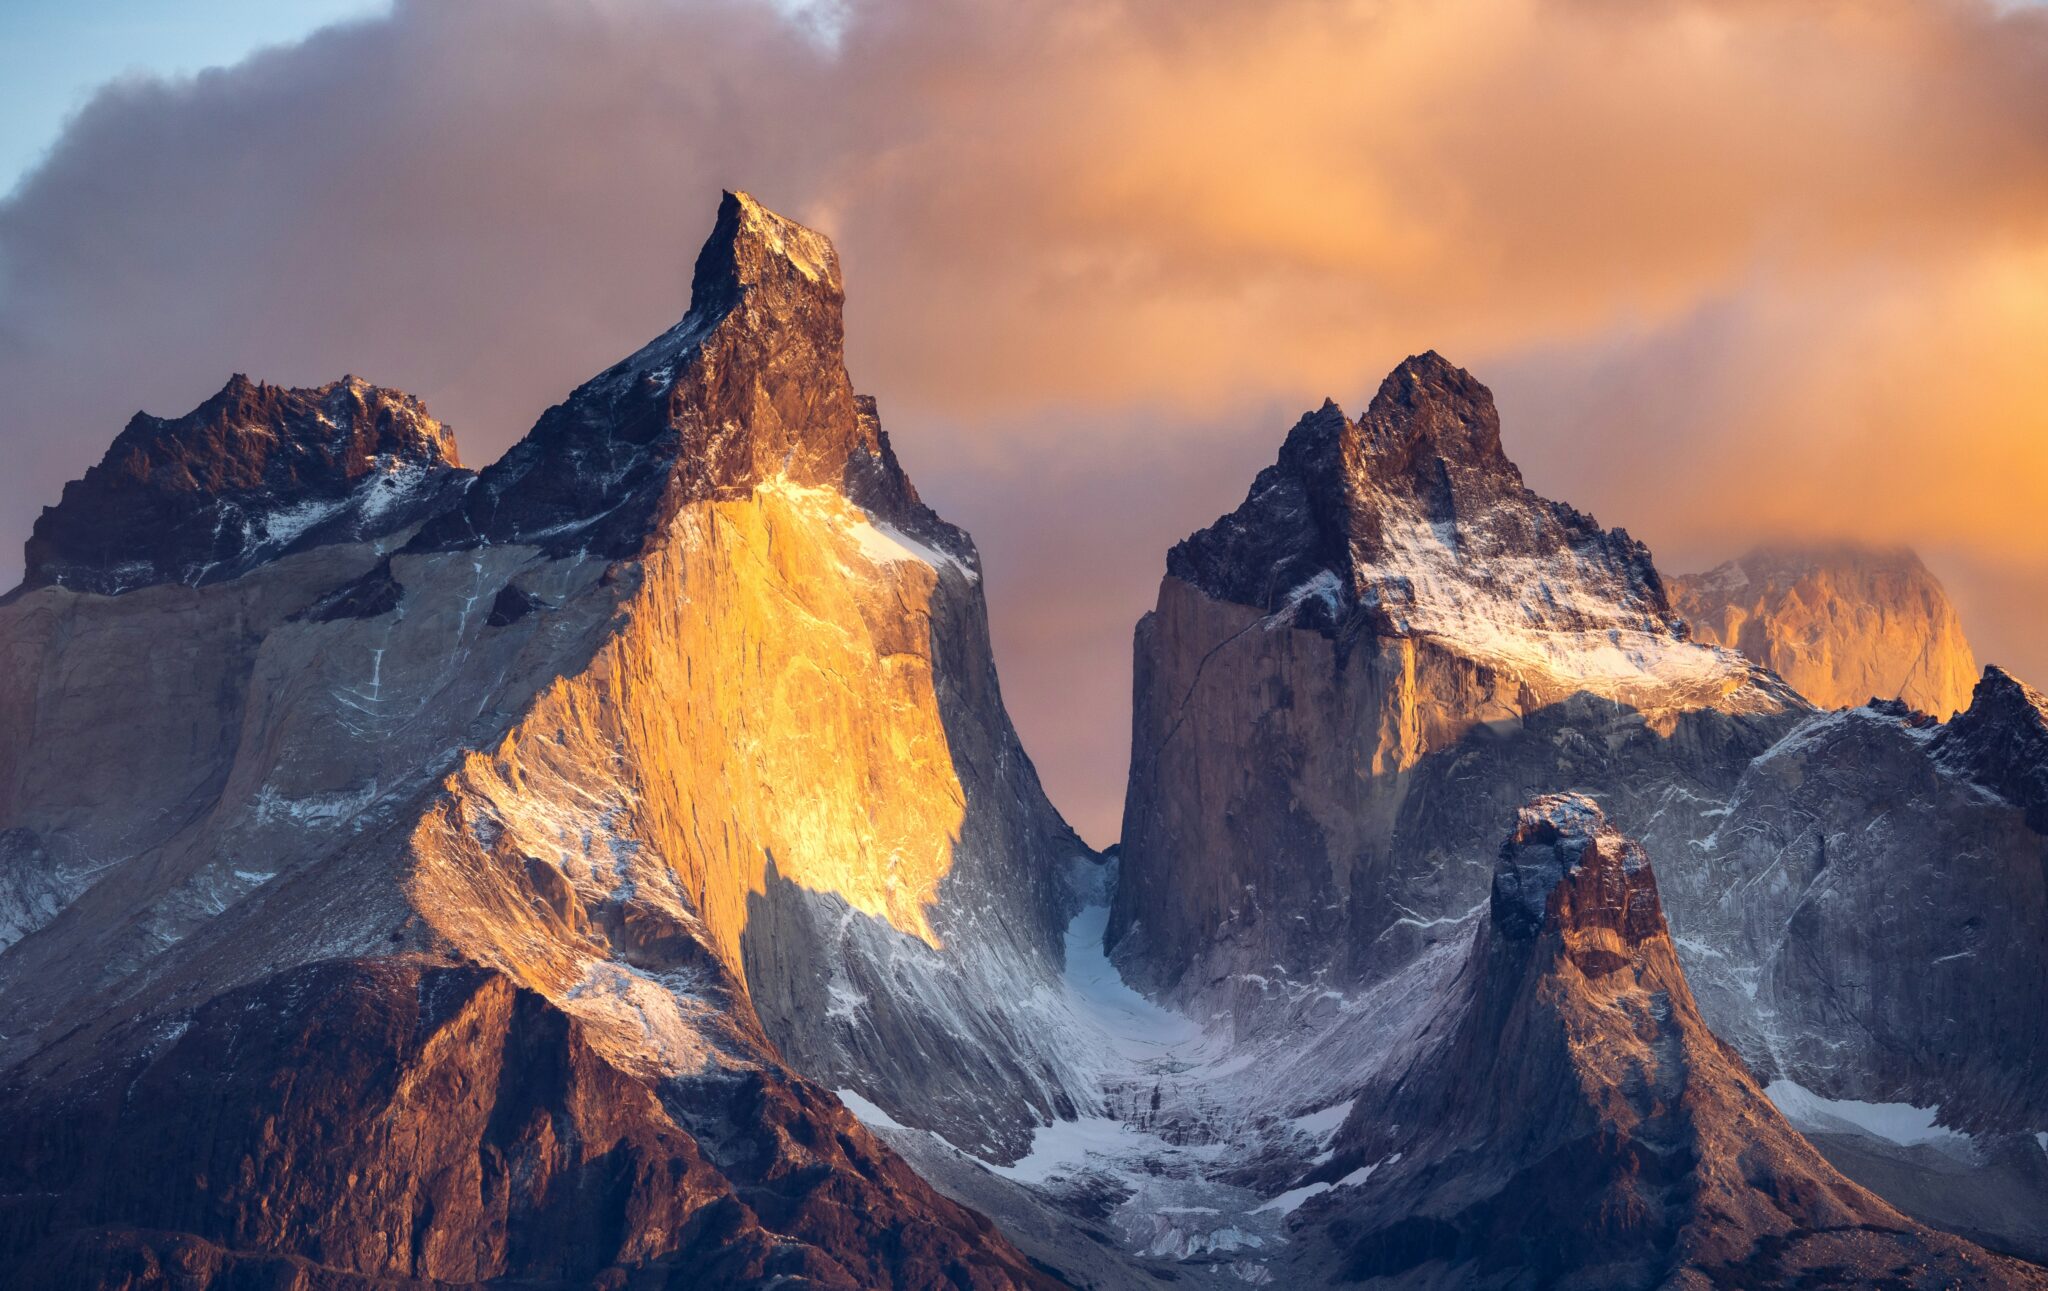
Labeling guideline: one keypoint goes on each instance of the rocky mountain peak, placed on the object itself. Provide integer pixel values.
(1412, 522)
(254, 472)
(752, 249)
(1565, 869)
(1842, 623)
(2001, 742)
(750, 387)
(1434, 429)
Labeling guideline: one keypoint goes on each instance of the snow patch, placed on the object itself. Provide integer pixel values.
(884, 544)
(1901, 1124)
(1564, 615)
(866, 1112)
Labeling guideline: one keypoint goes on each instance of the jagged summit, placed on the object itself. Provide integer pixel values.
(1839, 621)
(1430, 414)
(1412, 521)
(2001, 742)
(749, 387)
(254, 472)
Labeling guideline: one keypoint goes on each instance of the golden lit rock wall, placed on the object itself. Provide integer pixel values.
(766, 697)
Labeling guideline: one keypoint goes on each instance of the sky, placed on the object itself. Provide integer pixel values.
(54, 54)
(1736, 270)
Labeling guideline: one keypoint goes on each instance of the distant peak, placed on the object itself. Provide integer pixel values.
(751, 247)
(253, 472)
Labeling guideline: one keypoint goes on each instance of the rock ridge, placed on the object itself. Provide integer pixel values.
(1362, 516)
(2001, 742)
(253, 473)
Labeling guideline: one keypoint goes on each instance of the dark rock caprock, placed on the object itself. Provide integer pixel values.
(254, 473)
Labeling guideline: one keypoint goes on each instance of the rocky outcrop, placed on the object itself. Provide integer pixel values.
(1566, 1118)
(662, 762)
(254, 473)
(2001, 743)
(1389, 643)
(1841, 624)
(1869, 911)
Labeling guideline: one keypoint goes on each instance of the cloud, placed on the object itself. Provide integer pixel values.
(1733, 267)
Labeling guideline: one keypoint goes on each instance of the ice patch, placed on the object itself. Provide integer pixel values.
(1136, 1028)
(1321, 1125)
(1290, 1201)
(1898, 1123)
(1294, 1198)
(1092, 1142)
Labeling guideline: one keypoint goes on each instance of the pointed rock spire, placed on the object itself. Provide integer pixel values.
(751, 385)
(751, 248)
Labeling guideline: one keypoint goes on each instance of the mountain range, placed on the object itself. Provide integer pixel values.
(616, 867)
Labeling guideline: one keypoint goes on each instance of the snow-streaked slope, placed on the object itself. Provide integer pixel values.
(1199, 1147)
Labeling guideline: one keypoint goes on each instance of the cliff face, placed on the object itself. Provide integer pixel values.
(1390, 642)
(1873, 902)
(1842, 625)
(1567, 1118)
(659, 763)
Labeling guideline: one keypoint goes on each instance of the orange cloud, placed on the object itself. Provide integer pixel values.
(1734, 267)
